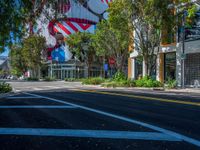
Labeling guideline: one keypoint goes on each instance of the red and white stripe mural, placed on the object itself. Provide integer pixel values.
(79, 18)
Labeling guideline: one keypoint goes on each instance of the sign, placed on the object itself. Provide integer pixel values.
(111, 61)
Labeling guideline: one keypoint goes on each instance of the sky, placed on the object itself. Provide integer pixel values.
(5, 53)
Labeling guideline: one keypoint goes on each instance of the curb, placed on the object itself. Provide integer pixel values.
(189, 92)
(2, 95)
(6, 94)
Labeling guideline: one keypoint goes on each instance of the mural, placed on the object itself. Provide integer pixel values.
(81, 16)
(192, 32)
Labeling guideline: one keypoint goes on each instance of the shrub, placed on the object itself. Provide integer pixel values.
(131, 83)
(119, 76)
(122, 83)
(171, 83)
(147, 82)
(5, 87)
(70, 79)
(93, 81)
(49, 79)
(109, 84)
(32, 79)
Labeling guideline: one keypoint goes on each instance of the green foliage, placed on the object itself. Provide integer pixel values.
(17, 61)
(119, 83)
(5, 87)
(15, 15)
(110, 84)
(32, 49)
(80, 44)
(11, 20)
(171, 84)
(16, 72)
(119, 76)
(28, 55)
(72, 80)
(113, 36)
(93, 81)
(48, 79)
(32, 79)
(147, 82)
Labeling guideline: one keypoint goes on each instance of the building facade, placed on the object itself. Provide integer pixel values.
(177, 60)
(77, 16)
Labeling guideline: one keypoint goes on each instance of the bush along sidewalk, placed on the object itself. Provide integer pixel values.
(49, 79)
(93, 81)
(5, 87)
(170, 84)
(120, 80)
(32, 79)
(148, 82)
(73, 79)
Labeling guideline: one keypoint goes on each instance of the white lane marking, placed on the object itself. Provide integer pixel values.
(165, 131)
(36, 106)
(22, 97)
(88, 134)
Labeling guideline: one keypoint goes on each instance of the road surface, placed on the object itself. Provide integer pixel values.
(71, 117)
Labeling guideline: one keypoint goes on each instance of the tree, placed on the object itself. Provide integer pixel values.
(113, 36)
(153, 21)
(17, 15)
(80, 45)
(32, 49)
(17, 62)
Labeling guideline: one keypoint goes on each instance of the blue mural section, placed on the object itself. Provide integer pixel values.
(59, 54)
(192, 31)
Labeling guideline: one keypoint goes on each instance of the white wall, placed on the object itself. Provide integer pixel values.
(190, 47)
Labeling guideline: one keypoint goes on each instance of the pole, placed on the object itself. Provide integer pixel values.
(51, 69)
(183, 52)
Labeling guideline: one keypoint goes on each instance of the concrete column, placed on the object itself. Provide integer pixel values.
(178, 65)
(133, 68)
(160, 67)
(144, 68)
(130, 68)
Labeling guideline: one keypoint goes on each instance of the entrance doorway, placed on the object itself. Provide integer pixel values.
(170, 66)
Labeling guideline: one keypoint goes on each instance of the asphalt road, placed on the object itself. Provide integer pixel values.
(75, 118)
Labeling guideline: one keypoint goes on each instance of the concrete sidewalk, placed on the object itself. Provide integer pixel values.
(186, 91)
(33, 86)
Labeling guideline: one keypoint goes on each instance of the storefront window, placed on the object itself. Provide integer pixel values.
(170, 66)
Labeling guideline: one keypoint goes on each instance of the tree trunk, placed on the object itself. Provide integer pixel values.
(119, 64)
(145, 66)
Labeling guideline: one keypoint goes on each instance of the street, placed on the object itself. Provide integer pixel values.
(69, 116)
